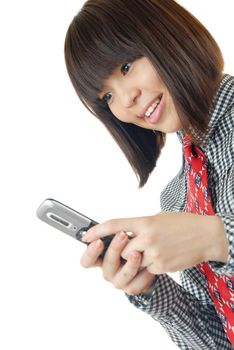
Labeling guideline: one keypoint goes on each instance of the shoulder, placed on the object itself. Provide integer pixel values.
(220, 146)
(222, 113)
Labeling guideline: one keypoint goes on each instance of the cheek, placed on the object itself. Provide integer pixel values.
(118, 112)
(151, 79)
(173, 109)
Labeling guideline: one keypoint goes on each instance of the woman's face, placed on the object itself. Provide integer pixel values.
(135, 94)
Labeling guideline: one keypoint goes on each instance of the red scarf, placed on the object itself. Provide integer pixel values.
(220, 287)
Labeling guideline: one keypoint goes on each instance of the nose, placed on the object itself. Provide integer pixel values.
(129, 96)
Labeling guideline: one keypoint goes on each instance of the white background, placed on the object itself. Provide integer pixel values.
(51, 147)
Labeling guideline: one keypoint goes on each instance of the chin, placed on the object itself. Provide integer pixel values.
(171, 131)
(171, 128)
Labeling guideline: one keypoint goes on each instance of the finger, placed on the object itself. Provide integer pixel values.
(90, 258)
(112, 257)
(146, 244)
(109, 227)
(141, 283)
(138, 243)
(128, 271)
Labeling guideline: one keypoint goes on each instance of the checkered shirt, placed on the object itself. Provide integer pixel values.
(186, 310)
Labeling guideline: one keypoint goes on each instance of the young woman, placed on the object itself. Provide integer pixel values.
(145, 69)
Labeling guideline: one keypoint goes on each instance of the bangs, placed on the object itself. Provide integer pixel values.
(94, 47)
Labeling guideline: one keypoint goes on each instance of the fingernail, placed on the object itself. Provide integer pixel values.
(97, 244)
(86, 238)
(134, 257)
(121, 236)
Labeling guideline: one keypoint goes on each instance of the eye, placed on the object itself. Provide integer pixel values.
(125, 68)
(107, 97)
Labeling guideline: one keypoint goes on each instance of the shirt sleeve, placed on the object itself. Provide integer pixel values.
(225, 210)
(190, 324)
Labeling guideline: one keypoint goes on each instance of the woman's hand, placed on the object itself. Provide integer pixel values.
(125, 275)
(169, 241)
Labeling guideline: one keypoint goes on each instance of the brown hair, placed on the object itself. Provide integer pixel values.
(108, 33)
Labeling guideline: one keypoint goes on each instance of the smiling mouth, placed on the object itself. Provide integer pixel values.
(153, 107)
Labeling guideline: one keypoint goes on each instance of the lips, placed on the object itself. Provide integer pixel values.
(157, 113)
(149, 105)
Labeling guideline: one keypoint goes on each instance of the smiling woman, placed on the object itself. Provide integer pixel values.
(145, 69)
(182, 52)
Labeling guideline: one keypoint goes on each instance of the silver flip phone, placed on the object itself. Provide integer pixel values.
(68, 220)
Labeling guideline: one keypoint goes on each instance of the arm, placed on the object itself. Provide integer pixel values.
(190, 324)
(225, 211)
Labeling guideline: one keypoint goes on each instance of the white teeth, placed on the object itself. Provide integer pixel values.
(152, 108)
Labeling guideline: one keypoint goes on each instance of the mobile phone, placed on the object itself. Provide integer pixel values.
(68, 220)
